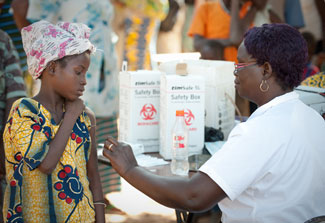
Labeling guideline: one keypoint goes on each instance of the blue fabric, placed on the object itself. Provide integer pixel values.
(293, 13)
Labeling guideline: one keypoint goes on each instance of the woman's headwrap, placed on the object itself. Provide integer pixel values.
(45, 42)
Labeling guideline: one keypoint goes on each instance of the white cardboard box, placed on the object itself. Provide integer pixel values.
(219, 87)
(182, 93)
(313, 97)
(139, 108)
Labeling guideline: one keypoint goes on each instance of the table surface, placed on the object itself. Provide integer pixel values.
(164, 170)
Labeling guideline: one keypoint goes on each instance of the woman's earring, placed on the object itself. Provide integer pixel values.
(264, 87)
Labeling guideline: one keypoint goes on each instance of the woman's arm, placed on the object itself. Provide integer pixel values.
(58, 144)
(20, 9)
(198, 193)
(93, 174)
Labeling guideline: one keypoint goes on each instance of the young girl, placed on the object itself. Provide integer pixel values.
(51, 158)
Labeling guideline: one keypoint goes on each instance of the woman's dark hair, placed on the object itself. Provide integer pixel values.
(283, 47)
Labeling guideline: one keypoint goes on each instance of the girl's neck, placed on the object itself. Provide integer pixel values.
(48, 95)
(53, 103)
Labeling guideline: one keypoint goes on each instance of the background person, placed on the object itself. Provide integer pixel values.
(11, 88)
(137, 26)
(271, 168)
(310, 68)
(212, 51)
(225, 22)
(12, 19)
(50, 145)
(317, 80)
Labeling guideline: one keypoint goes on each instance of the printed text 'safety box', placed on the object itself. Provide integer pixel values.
(139, 108)
(182, 93)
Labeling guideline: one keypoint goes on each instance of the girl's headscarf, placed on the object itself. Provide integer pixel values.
(45, 42)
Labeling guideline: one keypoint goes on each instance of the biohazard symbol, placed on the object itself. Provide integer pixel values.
(189, 117)
(148, 112)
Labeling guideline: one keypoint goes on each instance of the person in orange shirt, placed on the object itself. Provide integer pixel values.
(225, 22)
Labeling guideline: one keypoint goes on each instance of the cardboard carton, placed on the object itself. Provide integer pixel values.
(219, 87)
(313, 97)
(139, 108)
(182, 93)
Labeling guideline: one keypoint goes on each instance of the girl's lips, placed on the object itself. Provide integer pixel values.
(80, 92)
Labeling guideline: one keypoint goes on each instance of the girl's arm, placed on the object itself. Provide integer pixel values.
(93, 174)
(58, 144)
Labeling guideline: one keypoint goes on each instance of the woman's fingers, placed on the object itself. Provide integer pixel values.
(112, 140)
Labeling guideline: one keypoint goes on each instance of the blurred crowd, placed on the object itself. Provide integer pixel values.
(134, 30)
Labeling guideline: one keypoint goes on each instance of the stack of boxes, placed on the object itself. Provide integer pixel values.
(219, 90)
(149, 99)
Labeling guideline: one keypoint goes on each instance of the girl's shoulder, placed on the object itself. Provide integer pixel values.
(26, 105)
(88, 117)
(89, 114)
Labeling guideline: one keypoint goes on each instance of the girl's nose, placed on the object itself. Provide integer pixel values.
(83, 80)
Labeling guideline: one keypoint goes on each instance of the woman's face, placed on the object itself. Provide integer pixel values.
(248, 75)
(71, 79)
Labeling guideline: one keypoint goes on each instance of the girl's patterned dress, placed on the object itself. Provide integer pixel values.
(32, 196)
(101, 92)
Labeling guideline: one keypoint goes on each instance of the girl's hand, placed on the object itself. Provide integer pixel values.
(74, 108)
(120, 155)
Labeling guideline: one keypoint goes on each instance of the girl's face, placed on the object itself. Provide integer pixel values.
(70, 80)
(248, 75)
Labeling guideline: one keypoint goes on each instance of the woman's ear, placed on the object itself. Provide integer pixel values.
(267, 73)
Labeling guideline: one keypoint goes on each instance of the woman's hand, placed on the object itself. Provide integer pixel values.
(74, 108)
(120, 155)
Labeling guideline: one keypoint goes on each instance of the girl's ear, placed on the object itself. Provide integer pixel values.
(52, 67)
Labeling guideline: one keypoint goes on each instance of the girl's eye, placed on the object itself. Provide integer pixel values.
(78, 72)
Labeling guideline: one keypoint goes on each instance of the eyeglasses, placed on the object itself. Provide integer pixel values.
(240, 66)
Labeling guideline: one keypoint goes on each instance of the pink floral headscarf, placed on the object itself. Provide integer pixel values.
(44, 42)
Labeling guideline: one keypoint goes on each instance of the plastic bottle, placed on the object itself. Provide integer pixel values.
(180, 164)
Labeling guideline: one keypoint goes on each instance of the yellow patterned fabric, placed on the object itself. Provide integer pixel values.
(32, 196)
(149, 8)
(317, 80)
(138, 35)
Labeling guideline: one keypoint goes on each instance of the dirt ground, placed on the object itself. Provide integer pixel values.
(138, 207)
(142, 218)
